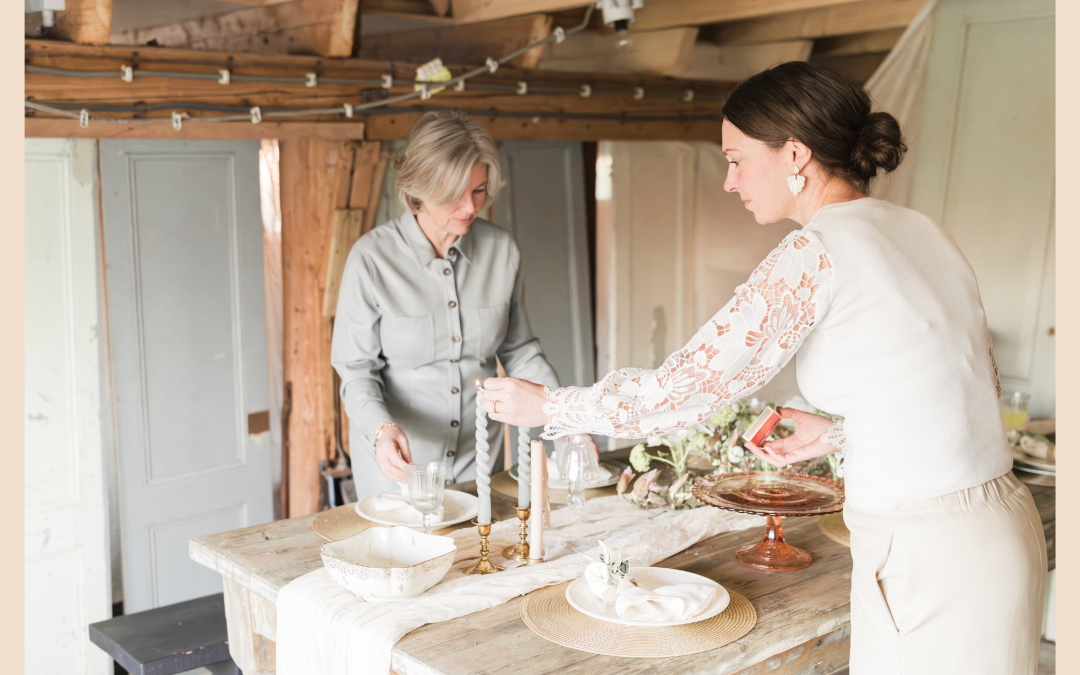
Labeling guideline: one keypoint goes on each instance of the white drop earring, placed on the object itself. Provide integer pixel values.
(796, 182)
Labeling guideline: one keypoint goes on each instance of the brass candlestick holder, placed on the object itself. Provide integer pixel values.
(483, 566)
(520, 550)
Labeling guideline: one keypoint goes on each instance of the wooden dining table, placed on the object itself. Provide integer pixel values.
(803, 616)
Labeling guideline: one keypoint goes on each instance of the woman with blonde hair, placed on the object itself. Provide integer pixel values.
(427, 303)
(949, 559)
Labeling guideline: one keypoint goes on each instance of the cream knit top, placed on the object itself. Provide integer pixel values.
(885, 314)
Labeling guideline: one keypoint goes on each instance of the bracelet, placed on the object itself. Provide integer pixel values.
(382, 427)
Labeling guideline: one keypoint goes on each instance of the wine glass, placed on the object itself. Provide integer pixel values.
(426, 483)
(1014, 405)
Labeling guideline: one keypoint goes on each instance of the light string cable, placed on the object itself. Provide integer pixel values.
(426, 90)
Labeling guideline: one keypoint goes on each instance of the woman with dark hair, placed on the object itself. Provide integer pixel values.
(884, 311)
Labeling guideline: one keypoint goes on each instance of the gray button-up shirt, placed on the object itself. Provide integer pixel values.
(413, 334)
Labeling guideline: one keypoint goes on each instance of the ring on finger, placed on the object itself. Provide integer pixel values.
(495, 407)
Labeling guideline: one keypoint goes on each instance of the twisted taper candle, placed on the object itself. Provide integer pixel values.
(524, 465)
(483, 461)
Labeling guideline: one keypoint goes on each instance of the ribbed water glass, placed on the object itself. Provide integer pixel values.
(426, 483)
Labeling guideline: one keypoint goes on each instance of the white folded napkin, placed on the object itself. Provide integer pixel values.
(597, 577)
(677, 602)
(397, 504)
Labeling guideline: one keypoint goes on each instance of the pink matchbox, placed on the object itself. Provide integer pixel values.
(762, 427)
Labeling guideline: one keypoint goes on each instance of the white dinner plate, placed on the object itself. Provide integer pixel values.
(582, 599)
(1022, 458)
(457, 508)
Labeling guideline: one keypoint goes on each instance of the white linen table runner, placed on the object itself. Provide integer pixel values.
(324, 628)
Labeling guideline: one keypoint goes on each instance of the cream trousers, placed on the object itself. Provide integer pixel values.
(951, 585)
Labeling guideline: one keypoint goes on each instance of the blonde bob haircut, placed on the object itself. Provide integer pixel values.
(443, 148)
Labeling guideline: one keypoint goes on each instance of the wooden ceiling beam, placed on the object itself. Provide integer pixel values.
(554, 115)
(856, 17)
(84, 21)
(51, 127)
(475, 11)
(671, 13)
(320, 27)
(664, 53)
(469, 44)
(878, 42)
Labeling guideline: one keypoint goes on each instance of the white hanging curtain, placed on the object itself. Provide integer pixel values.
(896, 87)
(270, 193)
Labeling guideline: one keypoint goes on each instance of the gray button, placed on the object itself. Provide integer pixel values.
(453, 304)
(457, 338)
(454, 390)
(453, 360)
(446, 271)
(454, 424)
(449, 453)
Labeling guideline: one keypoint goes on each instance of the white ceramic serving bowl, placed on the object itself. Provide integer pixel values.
(389, 563)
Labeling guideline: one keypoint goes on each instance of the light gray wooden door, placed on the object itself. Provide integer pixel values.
(543, 206)
(183, 253)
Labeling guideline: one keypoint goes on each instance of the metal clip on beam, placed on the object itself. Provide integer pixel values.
(126, 73)
(311, 80)
(256, 115)
(224, 77)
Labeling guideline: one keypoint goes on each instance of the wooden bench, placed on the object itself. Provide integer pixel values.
(169, 639)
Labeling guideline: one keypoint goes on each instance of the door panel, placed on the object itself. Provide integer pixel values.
(66, 556)
(985, 169)
(543, 206)
(183, 247)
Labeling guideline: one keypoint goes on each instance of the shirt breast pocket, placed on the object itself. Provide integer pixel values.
(493, 324)
(407, 341)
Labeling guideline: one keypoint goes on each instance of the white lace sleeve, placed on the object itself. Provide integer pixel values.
(835, 437)
(735, 353)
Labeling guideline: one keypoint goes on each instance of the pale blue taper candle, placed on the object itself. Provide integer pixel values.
(524, 460)
(483, 461)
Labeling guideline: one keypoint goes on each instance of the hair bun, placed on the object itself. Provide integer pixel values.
(879, 145)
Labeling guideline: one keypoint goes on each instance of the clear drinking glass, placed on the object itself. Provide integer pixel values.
(426, 483)
(1014, 405)
(577, 466)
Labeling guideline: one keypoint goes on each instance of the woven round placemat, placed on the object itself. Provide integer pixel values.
(833, 527)
(547, 613)
(503, 483)
(343, 522)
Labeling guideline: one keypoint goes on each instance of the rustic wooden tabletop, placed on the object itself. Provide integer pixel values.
(803, 616)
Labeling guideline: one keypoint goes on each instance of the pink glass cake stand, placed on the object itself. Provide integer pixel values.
(773, 495)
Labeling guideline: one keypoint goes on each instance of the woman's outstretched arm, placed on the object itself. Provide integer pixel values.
(734, 354)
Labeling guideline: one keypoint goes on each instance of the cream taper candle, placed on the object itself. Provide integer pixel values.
(539, 486)
(483, 461)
